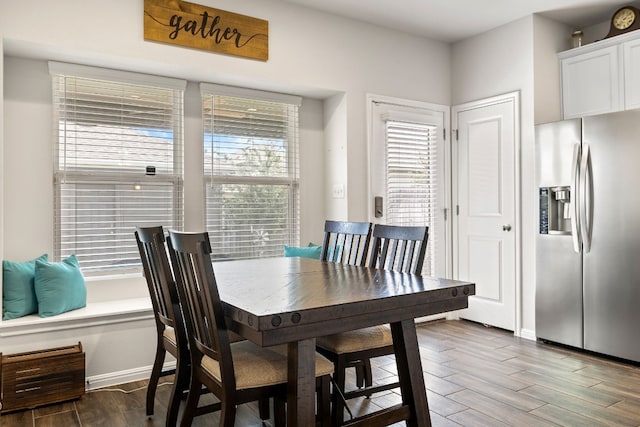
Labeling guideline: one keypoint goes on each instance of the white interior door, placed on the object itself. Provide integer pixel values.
(409, 164)
(485, 200)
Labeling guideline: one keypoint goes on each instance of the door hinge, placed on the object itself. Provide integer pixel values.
(457, 136)
(458, 210)
(444, 134)
(445, 214)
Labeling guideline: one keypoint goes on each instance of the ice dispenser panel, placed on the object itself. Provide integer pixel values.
(555, 210)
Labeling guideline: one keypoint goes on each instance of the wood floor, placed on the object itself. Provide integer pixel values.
(475, 376)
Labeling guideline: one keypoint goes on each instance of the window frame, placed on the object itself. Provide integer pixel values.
(292, 178)
(85, 175)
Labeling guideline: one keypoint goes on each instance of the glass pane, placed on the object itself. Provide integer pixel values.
(248, 221)
(97, 220)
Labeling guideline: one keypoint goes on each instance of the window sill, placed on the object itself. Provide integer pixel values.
(94, 314)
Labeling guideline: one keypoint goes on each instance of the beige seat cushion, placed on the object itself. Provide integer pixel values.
(360, 339)
(256, 366)
(170, 334)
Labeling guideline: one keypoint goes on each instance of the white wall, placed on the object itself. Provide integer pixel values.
(493, 63)
(316, 55)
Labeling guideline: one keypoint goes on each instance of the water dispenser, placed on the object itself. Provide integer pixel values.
(555, 210)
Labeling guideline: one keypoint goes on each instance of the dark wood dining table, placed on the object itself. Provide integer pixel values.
(292, 301)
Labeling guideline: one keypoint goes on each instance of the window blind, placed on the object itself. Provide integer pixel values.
(251, 169)
(118, 165)
(411, 177)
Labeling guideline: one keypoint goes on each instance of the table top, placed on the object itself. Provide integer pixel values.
(276, 300)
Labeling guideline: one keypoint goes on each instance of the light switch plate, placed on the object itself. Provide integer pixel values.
(338, 191)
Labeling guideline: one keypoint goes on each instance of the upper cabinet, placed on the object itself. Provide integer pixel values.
(601, 77)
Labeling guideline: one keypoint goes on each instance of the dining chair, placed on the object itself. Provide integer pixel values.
(399, 248)
(237, 372)
(171, 331)
(346, 242)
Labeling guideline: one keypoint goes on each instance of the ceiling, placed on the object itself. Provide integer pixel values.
(453, 20)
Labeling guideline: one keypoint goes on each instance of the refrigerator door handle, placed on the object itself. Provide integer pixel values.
(575, 185)
(586, 195)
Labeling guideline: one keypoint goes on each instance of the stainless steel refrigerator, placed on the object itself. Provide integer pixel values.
(588, 237)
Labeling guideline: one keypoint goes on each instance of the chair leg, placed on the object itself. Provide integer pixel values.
(227, 413)
(336, 400)
(263, 408)
(368, 376)
(156, 372)
(324, 400)
(180, 384)
(192, 402)
(359, 367)
(279, 412)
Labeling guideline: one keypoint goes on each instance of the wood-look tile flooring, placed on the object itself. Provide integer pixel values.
(475, 376)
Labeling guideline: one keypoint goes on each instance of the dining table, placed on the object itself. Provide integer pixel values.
(272, 301)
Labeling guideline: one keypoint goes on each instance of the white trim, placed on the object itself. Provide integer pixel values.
(241, 92)
(94, 314)
(445, 110)
(515, 98)
(66, 69)
(527, 334)
(123, 377)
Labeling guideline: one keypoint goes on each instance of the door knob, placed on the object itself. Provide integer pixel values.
(506, 227)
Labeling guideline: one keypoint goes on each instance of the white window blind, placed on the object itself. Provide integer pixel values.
(251, 171)
(411, 179)
(118, 163)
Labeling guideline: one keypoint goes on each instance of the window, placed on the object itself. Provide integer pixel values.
(251, 171)
(118, 162)
(408, 162)
(412, 179)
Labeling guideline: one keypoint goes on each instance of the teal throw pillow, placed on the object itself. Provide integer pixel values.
(59, 286)
(18, 294)
(304, 252)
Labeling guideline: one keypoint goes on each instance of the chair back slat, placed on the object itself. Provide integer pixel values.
(157, 272)
(346, 242)
(399, 248)
(204, 314)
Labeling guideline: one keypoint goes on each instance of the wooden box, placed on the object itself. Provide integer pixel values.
(41, 377)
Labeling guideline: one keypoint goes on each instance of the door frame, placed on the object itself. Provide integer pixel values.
(446, 112)
(517, 159)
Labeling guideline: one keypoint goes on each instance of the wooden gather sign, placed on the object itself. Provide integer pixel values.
(192, 25)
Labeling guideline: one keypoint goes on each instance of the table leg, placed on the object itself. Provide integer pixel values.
(405, 343)
(302, 383)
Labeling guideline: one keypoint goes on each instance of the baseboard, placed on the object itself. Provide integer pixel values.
(121, 377)
(528, 334)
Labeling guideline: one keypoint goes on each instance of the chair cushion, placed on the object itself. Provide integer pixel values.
(256, 366)
(360, 339)
(170, 334)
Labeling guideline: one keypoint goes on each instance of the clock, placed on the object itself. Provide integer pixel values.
(624, 20)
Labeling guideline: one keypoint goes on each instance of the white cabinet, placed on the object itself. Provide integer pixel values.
(601, 77)
(631, 53)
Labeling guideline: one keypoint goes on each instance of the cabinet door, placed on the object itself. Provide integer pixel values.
(631, 51)
(591, 83)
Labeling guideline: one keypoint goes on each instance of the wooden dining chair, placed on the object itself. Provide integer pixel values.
(171, 331)
(237, 372)
(397, 248)
(346, 242)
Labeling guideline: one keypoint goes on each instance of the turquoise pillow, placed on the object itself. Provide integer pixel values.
(59, 286)
(18, 294)
(304, 252)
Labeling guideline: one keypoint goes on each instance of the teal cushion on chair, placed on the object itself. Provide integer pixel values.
(18, 294)
(59, 286)
(303, 252)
